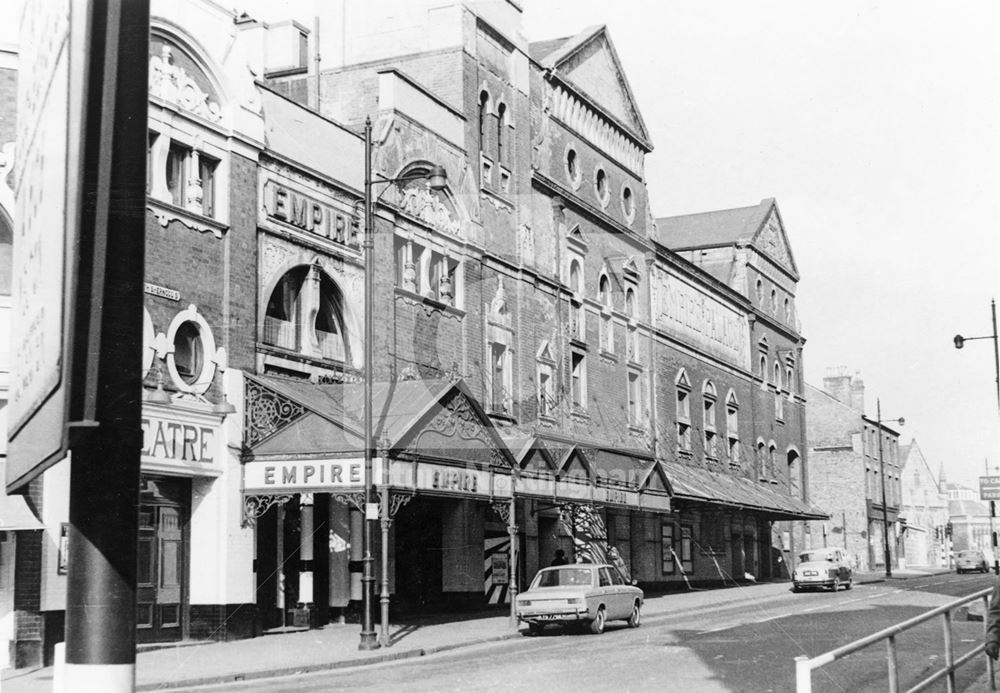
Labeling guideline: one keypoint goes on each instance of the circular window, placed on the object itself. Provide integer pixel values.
(572, 166)
(191, 357)
(601, 186)
(628, 204)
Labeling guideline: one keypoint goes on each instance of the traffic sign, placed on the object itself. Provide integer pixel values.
(989, 488)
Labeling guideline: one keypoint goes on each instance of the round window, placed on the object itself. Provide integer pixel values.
(573, 166)
(601, 186)
(628, 203)
(189, 352)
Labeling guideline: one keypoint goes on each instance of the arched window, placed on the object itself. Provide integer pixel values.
(484, 107)
(795, 487)
(779, 402)
(708, 397)
(575, 277)
(633, 333)
(501, 127)
(607, 324)
(761, 460)
(733, 429)
(683, 402)
(577, 311)
(305, 313)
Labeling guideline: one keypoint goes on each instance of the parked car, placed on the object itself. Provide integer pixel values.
(579, 593)
(826, 567)
(970, 560)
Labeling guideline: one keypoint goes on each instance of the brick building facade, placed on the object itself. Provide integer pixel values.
(924, 510)
(553, 368)
(845, 473)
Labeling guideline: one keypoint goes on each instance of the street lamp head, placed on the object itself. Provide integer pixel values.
(959, 341)
(901, 421)
(437, 178)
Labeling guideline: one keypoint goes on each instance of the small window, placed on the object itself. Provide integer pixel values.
(206, 172)
(774, 300)
(484, 104)
(501, 126)
(628, 203)
(189, 354)
(601, 186)
(572, 166)
(579, 380)
(760, 291)
(177, 173)
(634, 399)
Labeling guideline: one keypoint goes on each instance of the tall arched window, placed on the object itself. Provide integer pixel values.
(683, 401)
(501, 127)
(607, 325)
(733, 429)
(795, 487)
(632, 345)
(708, 397)
(484, 107)
(779, 402)
(577, 311)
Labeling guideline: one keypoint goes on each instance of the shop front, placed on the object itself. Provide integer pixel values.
(441, 478)
(183, 454)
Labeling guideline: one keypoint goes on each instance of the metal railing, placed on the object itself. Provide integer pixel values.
(804, 666)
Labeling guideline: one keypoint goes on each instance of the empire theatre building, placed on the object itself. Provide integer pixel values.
(535, 386)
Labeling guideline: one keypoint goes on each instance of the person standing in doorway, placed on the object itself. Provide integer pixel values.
(560, 558)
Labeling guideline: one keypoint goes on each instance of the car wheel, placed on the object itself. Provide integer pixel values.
(836, 584)
(534, 629)
(597, 625)
(850, 583)
(796, 588)
(635, 619)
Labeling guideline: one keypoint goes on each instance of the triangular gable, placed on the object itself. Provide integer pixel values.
(575, 465)
(586, 61)
(656, 480)
(771, 240)
(274, 405)
(454, 428)
(537, 459)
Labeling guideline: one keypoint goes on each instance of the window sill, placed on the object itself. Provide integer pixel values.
(547, 419)
(637, 428)
(165, 212)
(579, 413)
(414, 297)
(502, 416)
(578, 343)
(609, 356)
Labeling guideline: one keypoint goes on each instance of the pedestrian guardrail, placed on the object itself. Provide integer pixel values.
(804, 666)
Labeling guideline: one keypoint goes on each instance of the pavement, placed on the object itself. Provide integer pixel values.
(335, 646)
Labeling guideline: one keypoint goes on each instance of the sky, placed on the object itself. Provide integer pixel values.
(875, 125)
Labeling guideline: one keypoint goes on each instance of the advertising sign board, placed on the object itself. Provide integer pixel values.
(47, 178)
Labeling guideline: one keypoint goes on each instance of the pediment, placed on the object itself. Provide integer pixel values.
(590, 64)
(772, 241)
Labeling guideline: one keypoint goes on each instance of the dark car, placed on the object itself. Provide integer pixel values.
(971, 560)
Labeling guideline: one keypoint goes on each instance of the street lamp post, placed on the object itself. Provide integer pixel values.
(436, 178)
(881, 466)
(959, 343)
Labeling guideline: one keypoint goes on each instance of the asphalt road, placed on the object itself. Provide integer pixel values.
(744, 648)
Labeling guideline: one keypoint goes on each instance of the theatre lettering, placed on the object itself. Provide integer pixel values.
(172, 440)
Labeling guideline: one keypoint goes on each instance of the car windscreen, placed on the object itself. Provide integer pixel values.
(562, 577)
(809, 556)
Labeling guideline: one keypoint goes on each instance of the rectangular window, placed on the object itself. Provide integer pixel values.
(545, 394)
(687, 562)
(683, 419)
(667, 545)
(206, 172)
(634, 399)
(177, 158)
(150, 141)
(579, 377)
(498, 375)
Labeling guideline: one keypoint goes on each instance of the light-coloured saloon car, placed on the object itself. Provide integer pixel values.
(826, 567)
(579, 593)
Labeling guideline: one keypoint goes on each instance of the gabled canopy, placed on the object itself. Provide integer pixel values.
(435, 419)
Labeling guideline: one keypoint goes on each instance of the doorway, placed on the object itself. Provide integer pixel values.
(161, 576)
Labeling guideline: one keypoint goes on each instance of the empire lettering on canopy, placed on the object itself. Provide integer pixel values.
(447, 480)
(309, 214)
(319, 473)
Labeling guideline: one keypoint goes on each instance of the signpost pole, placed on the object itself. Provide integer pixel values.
(104, 472)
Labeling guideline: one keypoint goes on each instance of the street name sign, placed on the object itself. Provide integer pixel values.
(989, 488)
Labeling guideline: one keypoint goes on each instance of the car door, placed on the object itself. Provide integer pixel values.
(609, 591)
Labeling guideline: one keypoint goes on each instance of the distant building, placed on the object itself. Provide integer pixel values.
(924, 510)
(845, 472)
(969, 517)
